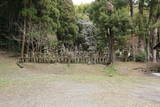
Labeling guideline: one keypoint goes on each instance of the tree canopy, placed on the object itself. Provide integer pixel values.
(32, 25)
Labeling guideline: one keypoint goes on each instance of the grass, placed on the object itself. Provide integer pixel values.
(8, 65)
(3, 66)
(11, 74)
(111, 70)
(4, 82)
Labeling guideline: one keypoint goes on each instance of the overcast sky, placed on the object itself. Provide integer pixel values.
(77, 2)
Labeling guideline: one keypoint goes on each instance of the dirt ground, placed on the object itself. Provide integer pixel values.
(77, 85)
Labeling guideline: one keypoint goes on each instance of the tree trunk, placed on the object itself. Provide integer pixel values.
(23, 40)
(131, 7)
(141, 6)
(111, 46)
(148, 53)
(132, 31)
(24, 35)
(154, 44)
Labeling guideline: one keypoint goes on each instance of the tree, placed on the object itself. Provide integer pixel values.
(82, 11)
(146, 21)
(154, 15)
(68, 28)
(112, 21)
(41, 12)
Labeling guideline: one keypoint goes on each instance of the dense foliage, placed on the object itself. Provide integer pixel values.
(113, 25)
(68, 28)
(112, 21)
(31, 23)
(57, 16)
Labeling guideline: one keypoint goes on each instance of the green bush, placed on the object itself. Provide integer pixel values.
(140, 58)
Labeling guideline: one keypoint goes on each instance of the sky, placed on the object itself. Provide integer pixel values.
(78, 2)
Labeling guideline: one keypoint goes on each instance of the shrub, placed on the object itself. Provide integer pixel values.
(140, 58)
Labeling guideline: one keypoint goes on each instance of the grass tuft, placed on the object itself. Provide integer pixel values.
(111, 70)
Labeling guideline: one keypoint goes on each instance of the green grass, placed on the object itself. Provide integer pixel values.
(111, 70)
(10, 74)
(3, 66)
(8, 66)
(4, 83)
(119, 77)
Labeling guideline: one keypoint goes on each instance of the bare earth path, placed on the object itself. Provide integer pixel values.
(58, 85)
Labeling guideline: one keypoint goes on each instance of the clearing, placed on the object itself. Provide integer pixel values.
(77, 85)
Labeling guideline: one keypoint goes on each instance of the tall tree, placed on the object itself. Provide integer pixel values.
(69, 29)
(153, 19)
(111, 20)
